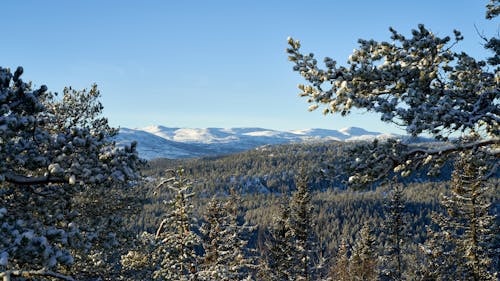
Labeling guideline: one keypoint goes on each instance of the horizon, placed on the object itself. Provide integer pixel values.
(212, 65)
(244, 127)
(174, 143)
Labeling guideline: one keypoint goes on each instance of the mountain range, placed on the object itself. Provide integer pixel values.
(173, 143)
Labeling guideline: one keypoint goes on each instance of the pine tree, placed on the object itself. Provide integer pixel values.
(225, 247)
(363, 261)
(340, 270)
(465, 246)
(394, 226)
(176, 238)
(418, 82)
(280, 252)
(302, 229)
(56, 151)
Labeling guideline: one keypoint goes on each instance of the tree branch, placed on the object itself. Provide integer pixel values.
(24, 180)
(450, 149)
(160, 229)
(6, 275)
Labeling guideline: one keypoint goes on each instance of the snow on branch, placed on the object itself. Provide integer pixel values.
(374, 161)
(6, 275)
(417, 82)
(24, 180)
(456, 148)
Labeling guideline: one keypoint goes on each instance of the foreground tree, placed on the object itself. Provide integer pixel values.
(176, 239)
(51, 150)
(290, 243)
(301, 222)
(395, 229)
(340, 269)
(465, 244)
(279, 253)
(50, 141)
(417, 83)
(363, 261)
(226, 256)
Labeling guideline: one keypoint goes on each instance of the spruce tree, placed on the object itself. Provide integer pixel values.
(280, 252)
(394, 226)
(176, 238)
(465, 244)
(210, 268)
(223, 241)
(290, 245)
(363, 261)
(302, 229)
(340, 270)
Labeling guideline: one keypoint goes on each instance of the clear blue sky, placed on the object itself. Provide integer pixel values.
(210, 63)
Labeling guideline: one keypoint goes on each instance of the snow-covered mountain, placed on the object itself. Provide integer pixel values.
(165, 142)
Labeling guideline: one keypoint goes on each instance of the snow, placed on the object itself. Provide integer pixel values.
(4, 258)
(263, 134)
(356, 132)
(164, 142)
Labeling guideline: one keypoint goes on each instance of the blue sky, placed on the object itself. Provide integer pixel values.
(210, 63)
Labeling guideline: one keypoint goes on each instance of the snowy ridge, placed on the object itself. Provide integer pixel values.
(165, 142)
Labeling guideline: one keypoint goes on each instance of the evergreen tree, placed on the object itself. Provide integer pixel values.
(301, 224)
(210, 266)
(54, 152)
(141, 261)
(395, 227)
(340, 270)
(440, 260)
(290, 245)
(225, 247)
(280, 251)
(176, 238)
(363, 261)
(465, 246)
(417, 82)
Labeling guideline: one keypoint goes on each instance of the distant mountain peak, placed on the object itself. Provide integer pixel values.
(164, 142)
(154, 128)
(356, 131)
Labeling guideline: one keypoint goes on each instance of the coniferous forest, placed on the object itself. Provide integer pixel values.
(75, 206)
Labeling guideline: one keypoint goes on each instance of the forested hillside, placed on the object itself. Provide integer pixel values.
(338, 214)
(271, 169)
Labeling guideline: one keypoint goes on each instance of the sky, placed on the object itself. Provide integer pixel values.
(212, 63)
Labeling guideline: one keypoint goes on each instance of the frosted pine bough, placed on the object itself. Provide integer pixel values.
(419, 84)
(51, 149)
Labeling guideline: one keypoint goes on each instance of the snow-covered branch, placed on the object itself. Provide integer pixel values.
(417, 82)
(372, 162)
(420, 84)
(6, 275)
(61, 147)
(454, 148)
(25, 180)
